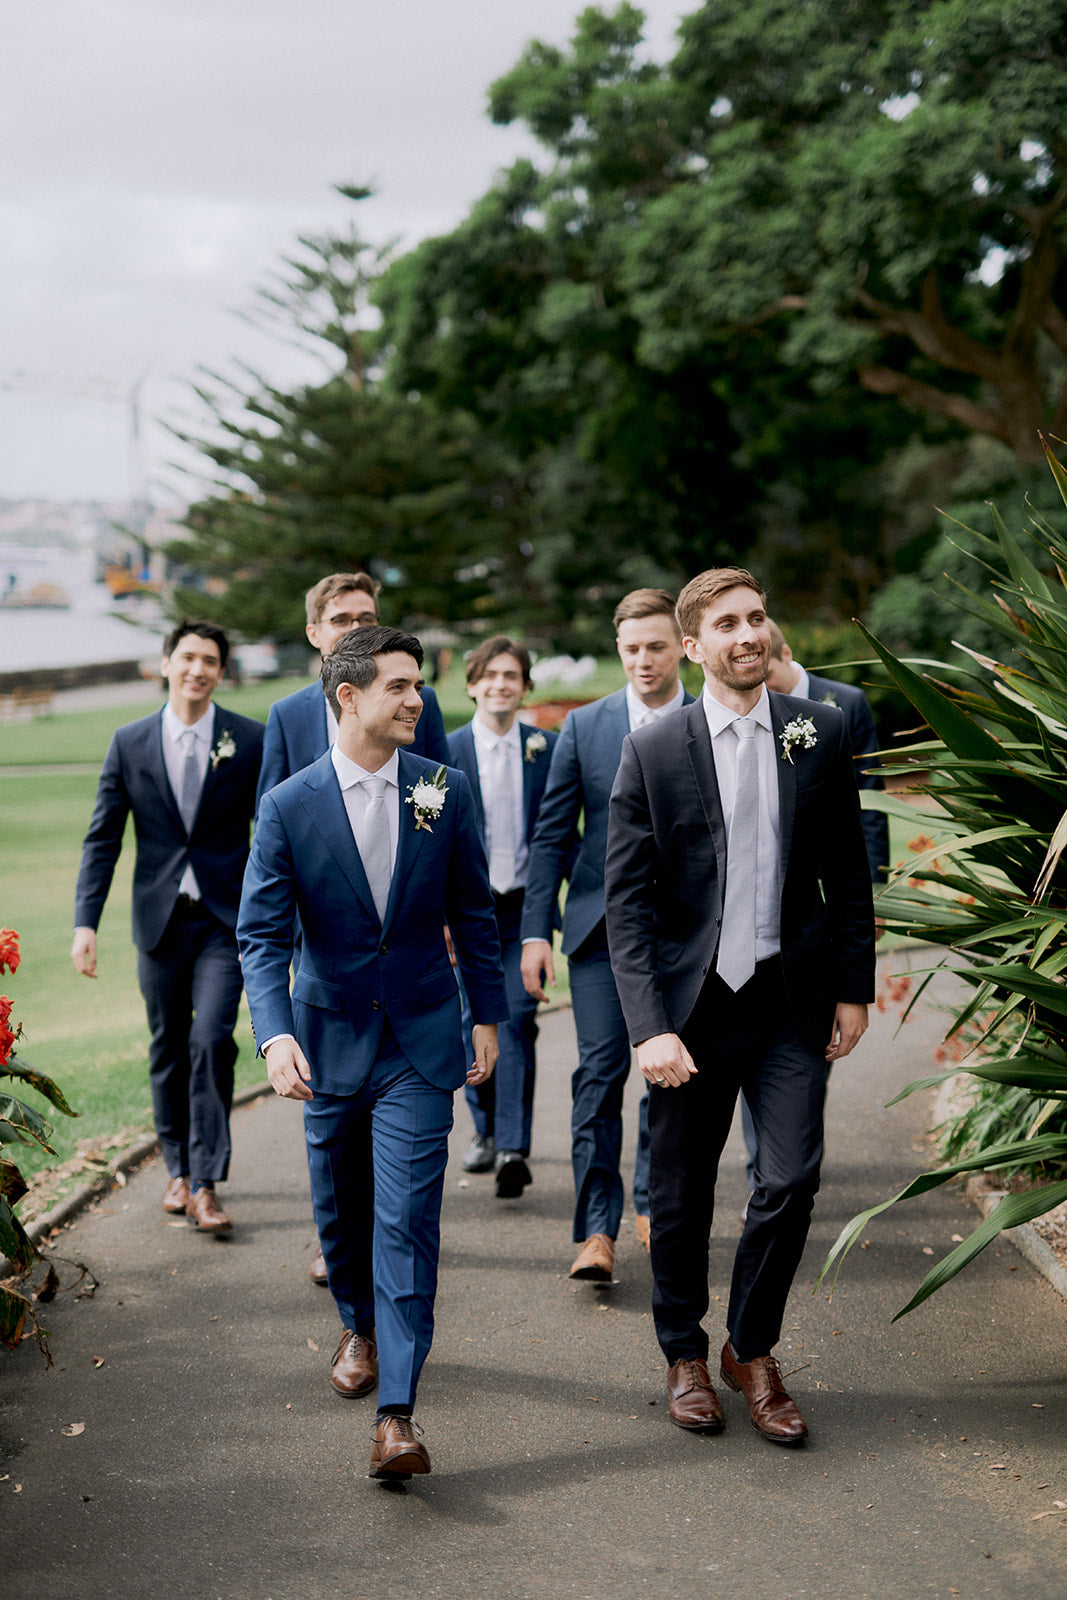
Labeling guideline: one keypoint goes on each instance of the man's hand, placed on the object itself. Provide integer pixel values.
(83, 951)
(537, 965)
(485, 1052)
(665, 1061)
(288, 1070)
(850, 1024)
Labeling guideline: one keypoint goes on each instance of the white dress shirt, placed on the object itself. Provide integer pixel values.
(489, 747)
(639, 713)
(174, 762)
(724, 749)
(356, 796)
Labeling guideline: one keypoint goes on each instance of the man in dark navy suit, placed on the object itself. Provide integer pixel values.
(507, 764)
(376, 851)
(301, 727)
(188, 776)
(742, 939)
(584, 764)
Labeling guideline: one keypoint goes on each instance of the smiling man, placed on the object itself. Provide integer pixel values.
(741, 929)
(189, 778)
(375, 850)
(584, 764)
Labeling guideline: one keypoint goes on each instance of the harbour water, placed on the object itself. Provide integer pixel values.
(96, 628)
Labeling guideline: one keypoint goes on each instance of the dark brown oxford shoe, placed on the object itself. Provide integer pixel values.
(354, 1370)
(398, 1452)
(691, 1401)
(176, 1196)
(206, 1212)
(596, 1259)
(771, 1410)
(317, 1269)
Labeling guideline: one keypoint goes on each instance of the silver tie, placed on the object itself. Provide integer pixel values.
(189, 798)
(502, 823)
(375, 849)
(736, 960)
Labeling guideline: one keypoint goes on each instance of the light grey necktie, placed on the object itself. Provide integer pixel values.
(502, 823)
(189, 798)
(736, 960)
(375, 848)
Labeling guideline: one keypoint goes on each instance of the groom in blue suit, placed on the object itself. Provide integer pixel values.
(375, 850)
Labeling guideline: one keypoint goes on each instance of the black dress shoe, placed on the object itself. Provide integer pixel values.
(512, 1174)
(481, 1155)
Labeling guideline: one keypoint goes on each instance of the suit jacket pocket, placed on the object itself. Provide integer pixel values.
(438, 986)
(312, 991)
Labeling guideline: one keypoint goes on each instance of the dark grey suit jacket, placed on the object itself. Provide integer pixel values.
(666, 872)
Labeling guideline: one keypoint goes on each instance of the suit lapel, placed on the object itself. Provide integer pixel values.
(787, 785)
(530, 776)
(325, 809)
(410, 840)
(154, 768)
(466, 759)
(702, 766)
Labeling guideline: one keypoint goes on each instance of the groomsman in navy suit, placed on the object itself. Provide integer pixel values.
(375, 850)
(188, 776)
(584, 764)
(507, 765)
(301, 727)
(742, 938)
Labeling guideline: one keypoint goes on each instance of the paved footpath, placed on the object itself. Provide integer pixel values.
(213, 1459)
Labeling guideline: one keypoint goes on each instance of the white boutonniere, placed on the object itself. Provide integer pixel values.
(828, 699)
(428, 798)
(224, 749)
(798, 734)
(535, 744)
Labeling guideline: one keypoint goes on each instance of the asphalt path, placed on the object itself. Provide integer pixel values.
(187, 1444)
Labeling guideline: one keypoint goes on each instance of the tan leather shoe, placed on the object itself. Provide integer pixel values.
(176, 1196)
(398, 1453)
(596, 1259)
(643, 1230)
(691, 1401)
(317, 1269)
(206, 1212)
(354, 1370)
(771, 1410)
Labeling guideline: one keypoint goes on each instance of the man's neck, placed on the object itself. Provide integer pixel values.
(353, 742)
(498, 722)
(739, 701)
(189, 711)
(662, 697)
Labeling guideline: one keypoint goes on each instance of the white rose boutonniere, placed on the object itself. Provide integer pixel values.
(798, 734)
(428, 799)
(224, 750)
(535, 745)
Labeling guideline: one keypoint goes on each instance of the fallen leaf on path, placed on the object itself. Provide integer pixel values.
(73, 1431)
(120, 1179)
(98, 1361)
(312, 1345)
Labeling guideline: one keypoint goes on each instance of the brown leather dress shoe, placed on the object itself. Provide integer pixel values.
(355, 1365)
(317, 1269)
(691, 1401)
(643, 1230)
(206, 1212)
(770, 1408)
(596, 1259)
(397, 1452)
(176, 1196)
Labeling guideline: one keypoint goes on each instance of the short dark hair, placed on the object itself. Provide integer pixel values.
(353, 659)
(500, 645)
(203, 630)
(641, 603)
(700, 591)
(320, 594)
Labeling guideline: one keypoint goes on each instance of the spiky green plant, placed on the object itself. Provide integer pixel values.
(993, 888)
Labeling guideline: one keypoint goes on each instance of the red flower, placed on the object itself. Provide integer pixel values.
(7, 1038)
(9, 950)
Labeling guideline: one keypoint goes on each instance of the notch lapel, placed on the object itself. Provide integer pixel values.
(154, 770)
(787, 785)
(324, 808)
(702, 766)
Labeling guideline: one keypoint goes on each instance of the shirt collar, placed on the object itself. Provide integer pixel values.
(801, 687)
(349, 773)
(720, 716)
(638, 712)
(486, 739)
(174, 727)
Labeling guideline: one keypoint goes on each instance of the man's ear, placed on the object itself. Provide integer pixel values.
(346, 696)
(691, 647)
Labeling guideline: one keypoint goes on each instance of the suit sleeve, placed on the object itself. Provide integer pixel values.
(846, 882)
(274, 767)
(629, 879)
(265, 925)
(554, 843)
(103, 842)
(432, 725)
(471, 917)
(864, 738)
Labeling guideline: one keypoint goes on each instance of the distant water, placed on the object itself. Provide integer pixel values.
(90, 631)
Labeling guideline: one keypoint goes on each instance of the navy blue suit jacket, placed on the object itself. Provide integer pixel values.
(134, 779)
(859, 719)
(296, 735)
(584, 764)
(666, 872)
(463, 753)
(353, 971)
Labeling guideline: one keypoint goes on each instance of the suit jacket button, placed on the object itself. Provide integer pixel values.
(376, 1005)
(384, 950)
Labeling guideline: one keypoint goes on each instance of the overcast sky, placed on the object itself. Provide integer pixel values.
(159, 156)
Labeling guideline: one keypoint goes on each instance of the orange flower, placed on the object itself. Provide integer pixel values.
(9, 950)
(921, 842)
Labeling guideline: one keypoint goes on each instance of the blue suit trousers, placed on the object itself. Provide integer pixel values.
(502, 1108)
